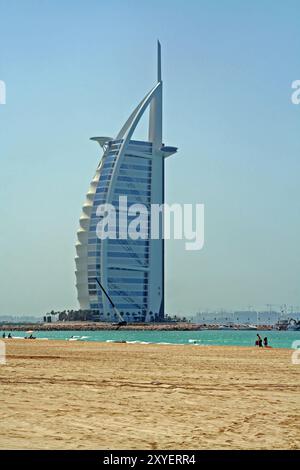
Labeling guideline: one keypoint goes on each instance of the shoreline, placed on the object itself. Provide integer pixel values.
(16, 341)
(197, 342)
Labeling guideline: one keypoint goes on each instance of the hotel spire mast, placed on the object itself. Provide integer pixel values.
(155, 120)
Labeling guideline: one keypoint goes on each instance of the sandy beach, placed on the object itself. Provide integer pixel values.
(88, 395)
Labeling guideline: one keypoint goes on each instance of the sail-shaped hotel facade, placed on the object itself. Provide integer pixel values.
(130, 270)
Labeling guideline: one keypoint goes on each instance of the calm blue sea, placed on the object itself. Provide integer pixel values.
(277, 339)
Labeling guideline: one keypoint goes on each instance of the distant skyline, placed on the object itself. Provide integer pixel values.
(73, 70)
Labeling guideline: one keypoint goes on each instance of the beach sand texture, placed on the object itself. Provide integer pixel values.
(72, 395)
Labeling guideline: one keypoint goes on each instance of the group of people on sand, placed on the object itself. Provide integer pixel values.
(262, 342)
(9, 336)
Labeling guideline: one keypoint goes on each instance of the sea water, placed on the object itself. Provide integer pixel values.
(277, 339)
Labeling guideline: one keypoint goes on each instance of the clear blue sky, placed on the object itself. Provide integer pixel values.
(76, 69)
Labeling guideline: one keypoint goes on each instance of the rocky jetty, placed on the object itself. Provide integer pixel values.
(98, 326)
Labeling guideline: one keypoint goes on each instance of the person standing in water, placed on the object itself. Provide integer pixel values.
(266, 342)
(259, 341)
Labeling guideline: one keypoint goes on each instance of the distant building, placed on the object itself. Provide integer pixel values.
(242, 317)
(19, 319)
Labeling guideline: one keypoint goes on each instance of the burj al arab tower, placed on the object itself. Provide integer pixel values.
(130, 270)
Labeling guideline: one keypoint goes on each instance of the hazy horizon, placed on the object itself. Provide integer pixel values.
(76, 70)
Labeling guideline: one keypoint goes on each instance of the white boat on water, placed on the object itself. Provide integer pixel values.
(293, 325)
(247, 327)
(226, 327)
(233, 327)
(288, 325)
(282, 324)
(77, 338)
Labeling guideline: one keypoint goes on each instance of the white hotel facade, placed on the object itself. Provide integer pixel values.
(131, 271)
